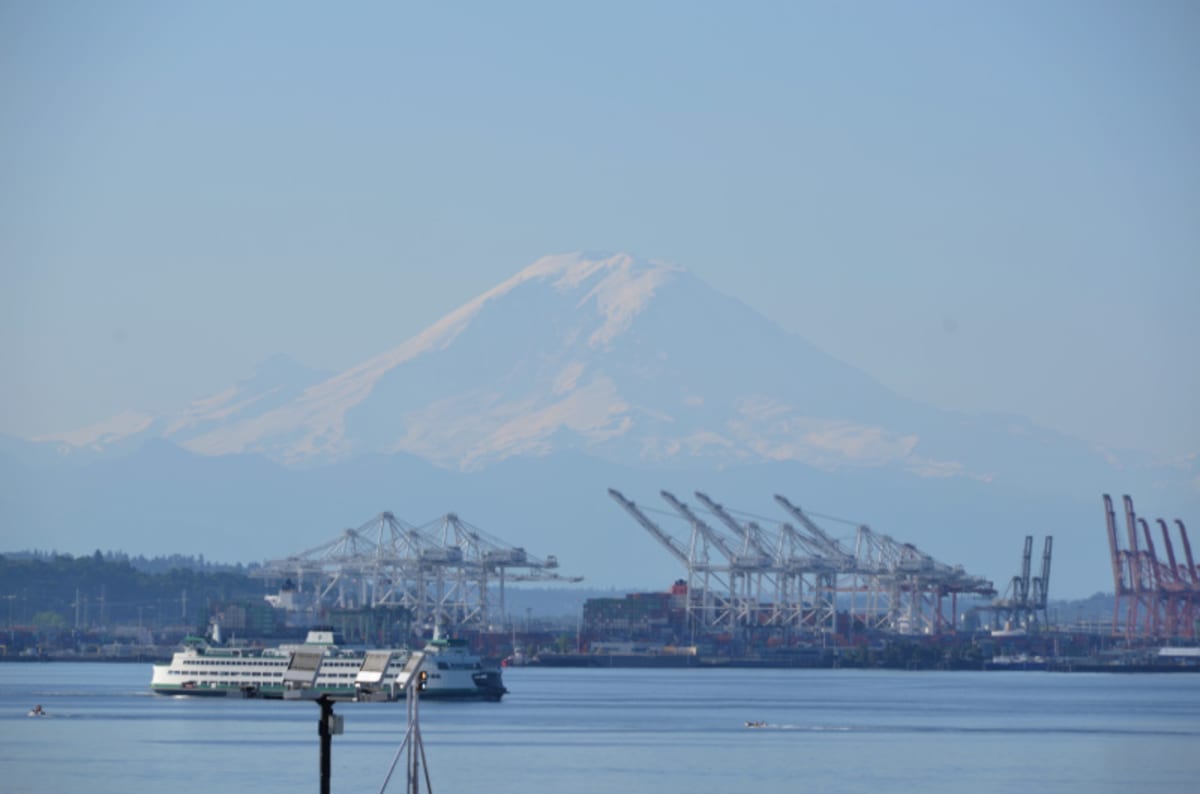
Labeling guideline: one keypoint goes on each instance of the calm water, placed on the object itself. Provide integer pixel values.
(661, 731)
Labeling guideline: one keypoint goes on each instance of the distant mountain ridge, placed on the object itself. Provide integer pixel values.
(626, 360)
(519, 408)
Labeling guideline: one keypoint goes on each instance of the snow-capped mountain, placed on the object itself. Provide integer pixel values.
(522, 406)
(621, 359)
(275, 383)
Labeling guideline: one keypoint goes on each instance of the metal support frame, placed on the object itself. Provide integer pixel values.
(440, 572)
(792, 578)
(412, 747)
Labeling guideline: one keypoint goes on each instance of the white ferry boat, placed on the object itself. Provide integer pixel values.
(204, 668)
(454, 672)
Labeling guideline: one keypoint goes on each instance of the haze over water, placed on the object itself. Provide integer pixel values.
(666, 731)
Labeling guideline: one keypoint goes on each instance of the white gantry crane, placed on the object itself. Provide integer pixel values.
(747, 568)
(441, 572)
(709, 597)
(793, 577)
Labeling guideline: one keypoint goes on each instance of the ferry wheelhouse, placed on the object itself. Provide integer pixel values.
(455, 672)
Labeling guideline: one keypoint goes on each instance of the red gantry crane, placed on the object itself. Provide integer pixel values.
(1158, 598)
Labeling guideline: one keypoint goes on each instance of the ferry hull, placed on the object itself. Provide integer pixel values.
(264, 693)
(462, 694)
(276, 693)
(617, 660)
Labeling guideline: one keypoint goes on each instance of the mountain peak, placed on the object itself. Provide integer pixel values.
(627, 360)
(610, 355)
(599, 295)
(621, 286)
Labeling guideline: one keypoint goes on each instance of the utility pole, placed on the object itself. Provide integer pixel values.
(328, 726)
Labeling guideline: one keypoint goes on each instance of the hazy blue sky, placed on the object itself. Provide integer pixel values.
(987, 206)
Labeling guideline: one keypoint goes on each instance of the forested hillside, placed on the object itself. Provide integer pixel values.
(99, 590)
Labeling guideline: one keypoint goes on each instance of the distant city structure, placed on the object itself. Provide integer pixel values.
(742, 575)
(441, 573)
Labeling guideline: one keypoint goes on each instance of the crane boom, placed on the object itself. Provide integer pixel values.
(1045, 588)
(1151, 555)
(1026, 564)
(1120, 563)
(1110, 519)
(830, 546)
(1166, 536)
(1193, 574)
(672, 545)
(710, 534)
(1130, 524)
(1136, 569)
(755, 539)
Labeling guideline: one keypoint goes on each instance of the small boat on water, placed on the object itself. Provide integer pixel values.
(1021, 661)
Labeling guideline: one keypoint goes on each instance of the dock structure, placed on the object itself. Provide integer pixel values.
(741, 574)
(1155, 598)
(442, 572)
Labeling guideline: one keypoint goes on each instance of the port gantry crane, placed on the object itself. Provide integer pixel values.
(1024, 603)
(1191, 575)
(1160, 598)
(1122, 572)
(791, 577)
(463, 584)
(746, 568)
(1173, 590)
(905, 588)
(807, 580)
(784, 608)
(839, 570)
(352, 569)
(1162, 622)
(713, 607)
(442, 572)
(1041, 584)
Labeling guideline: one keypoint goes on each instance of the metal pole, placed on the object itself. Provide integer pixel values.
(413, 749)
(412, 722)
(323, 730)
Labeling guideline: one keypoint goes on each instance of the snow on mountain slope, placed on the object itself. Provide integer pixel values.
(628, 361)
(618, 358)
(316, 424)
(275, 382)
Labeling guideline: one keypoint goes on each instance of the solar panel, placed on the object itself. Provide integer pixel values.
(373, 667)
(303, 667)
(410, 668)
